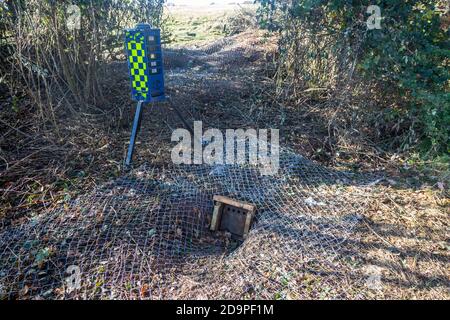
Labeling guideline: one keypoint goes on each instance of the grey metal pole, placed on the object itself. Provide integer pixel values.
(137, 120)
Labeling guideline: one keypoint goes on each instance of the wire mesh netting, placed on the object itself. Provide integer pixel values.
(147, 234)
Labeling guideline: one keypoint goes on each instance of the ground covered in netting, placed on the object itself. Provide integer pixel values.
(147, 235)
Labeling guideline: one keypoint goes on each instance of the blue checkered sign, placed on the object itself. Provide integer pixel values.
(144, 54)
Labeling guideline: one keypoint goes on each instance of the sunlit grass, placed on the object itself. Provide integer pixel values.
(197, 24)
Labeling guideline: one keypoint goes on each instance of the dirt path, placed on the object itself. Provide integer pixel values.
(218, 84)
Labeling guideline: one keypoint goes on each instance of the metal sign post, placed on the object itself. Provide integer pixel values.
(136, 124)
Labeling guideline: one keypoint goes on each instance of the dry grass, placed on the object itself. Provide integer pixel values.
(407, 236)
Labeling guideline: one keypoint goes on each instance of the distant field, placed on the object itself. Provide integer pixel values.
(188, 24)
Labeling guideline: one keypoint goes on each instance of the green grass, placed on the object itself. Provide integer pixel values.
(188, 27)
(196, 24)
(433, 171)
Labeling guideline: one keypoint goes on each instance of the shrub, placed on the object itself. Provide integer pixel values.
(328, 44)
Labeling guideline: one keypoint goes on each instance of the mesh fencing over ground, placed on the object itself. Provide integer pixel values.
(147, 235)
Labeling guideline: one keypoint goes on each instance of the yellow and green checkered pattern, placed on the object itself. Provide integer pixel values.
(137, 60)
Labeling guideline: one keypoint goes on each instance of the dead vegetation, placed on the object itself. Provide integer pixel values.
(404, 231)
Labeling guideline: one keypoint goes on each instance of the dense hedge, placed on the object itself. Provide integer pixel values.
(408, 58)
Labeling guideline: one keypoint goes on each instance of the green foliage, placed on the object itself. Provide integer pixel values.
(265, 14)
(411, 53)
(408, 58)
